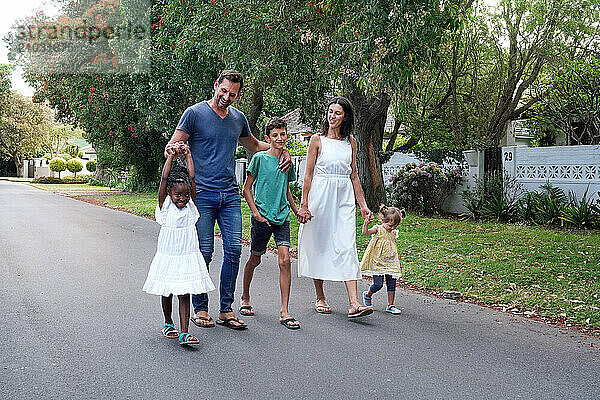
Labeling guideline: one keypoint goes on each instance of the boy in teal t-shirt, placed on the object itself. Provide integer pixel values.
(267, 193)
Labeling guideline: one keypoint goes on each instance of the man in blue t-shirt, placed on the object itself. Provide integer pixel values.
(213, 129)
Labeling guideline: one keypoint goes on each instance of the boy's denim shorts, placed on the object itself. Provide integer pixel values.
(260, 233)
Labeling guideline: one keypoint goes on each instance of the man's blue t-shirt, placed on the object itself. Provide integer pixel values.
(213, 141)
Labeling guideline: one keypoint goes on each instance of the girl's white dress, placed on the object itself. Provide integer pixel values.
(327, 243)
(178, 266)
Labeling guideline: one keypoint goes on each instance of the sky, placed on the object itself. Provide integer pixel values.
(13, 10)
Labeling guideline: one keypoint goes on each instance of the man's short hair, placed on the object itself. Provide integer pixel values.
(275, 123)
(232, 76)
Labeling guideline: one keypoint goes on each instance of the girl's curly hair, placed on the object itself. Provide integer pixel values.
(178, 176)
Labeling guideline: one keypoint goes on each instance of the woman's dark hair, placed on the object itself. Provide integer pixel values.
(347, 124)
(178, 176)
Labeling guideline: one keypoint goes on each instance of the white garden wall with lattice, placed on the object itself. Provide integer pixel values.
(571, 168)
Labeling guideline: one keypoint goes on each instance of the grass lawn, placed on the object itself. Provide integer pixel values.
(15, 179)
(70, 186)
(527, 270)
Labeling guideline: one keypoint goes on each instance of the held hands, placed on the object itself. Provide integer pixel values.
(366, 214)
(304, 215)
(176, 149)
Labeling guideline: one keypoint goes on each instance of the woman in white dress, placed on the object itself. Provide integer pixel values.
(327, 237)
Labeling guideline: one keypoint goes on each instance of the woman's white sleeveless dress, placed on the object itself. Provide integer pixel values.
(327, 243)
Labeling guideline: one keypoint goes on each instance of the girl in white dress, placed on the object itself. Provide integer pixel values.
(178, 266)
(327, 237)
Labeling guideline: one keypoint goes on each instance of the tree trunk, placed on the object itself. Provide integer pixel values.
(18, 164)
(393, 136)
(370, 113)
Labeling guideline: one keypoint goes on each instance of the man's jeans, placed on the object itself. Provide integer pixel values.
(225, 208)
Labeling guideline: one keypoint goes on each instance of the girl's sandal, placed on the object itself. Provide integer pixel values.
(186, 338)
(169, 331)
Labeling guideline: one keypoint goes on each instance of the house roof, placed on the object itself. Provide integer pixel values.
(294, 126)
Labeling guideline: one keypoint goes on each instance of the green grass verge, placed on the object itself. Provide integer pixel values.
(70, 186)
(537, 271)
(15, 179)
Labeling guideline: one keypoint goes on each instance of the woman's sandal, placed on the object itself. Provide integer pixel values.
(186, 338)
(322, 309)
(169, 331)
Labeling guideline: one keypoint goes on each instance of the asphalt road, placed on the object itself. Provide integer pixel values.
(76, 325)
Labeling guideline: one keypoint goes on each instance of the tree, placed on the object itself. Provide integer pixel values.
(57, 137)
(91, 165)
(307, 49)
(538, 33)
(571, 103)
(57, 165)
(74, 166)
(5, 85)
(23, 128)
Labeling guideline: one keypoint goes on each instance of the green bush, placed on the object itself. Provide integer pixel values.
(495, 197)
(65, 156)
(77, 179)
(57, 165)
(423, 187)
(74, 165)
(582, 214)
(91, 165)
(47, 180)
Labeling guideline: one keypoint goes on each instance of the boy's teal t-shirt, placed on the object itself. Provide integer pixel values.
(270, 187)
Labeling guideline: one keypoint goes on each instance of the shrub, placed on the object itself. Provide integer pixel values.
(296, 145)
(74, 165)
(296, 192)
(495, 197)
(582, 213)
(65, 156)
(423, 187)
(57, 165)
(47, 180)
(91, 165)
(550, 204)
(77, 179)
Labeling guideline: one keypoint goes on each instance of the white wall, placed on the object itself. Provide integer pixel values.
(571, 168)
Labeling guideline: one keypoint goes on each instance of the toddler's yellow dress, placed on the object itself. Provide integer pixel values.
(381, 256)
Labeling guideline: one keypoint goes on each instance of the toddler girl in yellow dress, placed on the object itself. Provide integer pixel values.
(381, 257)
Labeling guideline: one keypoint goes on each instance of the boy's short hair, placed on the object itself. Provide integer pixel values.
(275, 123)
(232, 76)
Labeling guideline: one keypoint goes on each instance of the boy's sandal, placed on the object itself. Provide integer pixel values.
(169, 331)
(367, 300)
(186, 338)
(209, 321)
(228, 323)
(248, 311)
(288, 323)
(392, 309)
